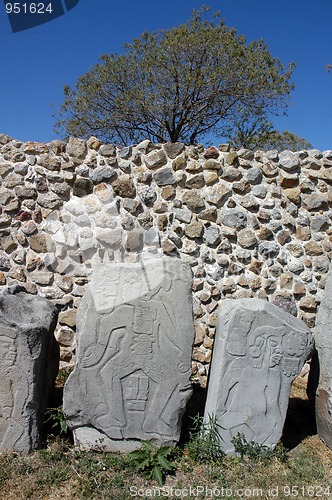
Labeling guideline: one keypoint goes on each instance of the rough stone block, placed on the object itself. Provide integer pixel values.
(259, 350)
(135, 337)
(322, 370)
(29, 364)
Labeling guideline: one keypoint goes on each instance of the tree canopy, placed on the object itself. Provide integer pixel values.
(175, 85)
(257, 132)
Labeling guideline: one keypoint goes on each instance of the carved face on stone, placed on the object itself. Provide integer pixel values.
(266, 346)
(275, 351)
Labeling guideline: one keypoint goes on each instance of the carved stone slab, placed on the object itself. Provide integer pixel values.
(29, 362)
(259, 349)
(323, 343)
(135, 337)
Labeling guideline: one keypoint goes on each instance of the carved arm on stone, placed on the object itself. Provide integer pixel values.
(112, 331)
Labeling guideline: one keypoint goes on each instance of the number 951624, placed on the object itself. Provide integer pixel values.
(28, 8)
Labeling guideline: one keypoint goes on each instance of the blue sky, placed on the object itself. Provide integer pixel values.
(36, 63)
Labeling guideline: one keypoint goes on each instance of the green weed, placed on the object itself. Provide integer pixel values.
(153, 461)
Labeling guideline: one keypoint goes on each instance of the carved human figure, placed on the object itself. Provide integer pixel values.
(249, 394)
(258, 352)
(12, 385)
(139, 357)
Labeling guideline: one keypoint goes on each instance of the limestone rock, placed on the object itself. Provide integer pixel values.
(131, 380)
(288, 161)
(29, 365)
(77, 148)
(217, 194)
(124, 187)
(173, 149)
(258, 352)
(155, 159)
(164, 177)
(193, 200)
(103, 174)
(82, 187)
(234, 218)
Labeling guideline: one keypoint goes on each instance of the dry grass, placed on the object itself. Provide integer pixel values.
(62, 472)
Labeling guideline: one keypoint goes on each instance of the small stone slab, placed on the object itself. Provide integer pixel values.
(259, 349)
(323, 344)
(29, 365)
(135, 337)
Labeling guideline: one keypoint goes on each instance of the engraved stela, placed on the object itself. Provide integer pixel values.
(259, 350)
(29, 362)
(131, 380)
(320, 379)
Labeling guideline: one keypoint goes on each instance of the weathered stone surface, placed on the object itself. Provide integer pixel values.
(82, 187)
(323, 370)
(173, 149)
(288, 161)
(131, 380)
(29, 365)
(217, 194)
(77, 148)
(103, 174)
(193, 200)
(164, 177)
(123, 186)
(258, 352)
(234, 218)
(155, 159)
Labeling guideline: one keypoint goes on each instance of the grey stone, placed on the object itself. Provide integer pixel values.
(217, 194)
(107, 150)
(254, 175)
(323, 372)
(124, 153)
(212, 236)
(145, 219)
(315, 202)
(29, 364)
(164, 177)
(288, 161)
(183, 215)
(155, 159)
(147, 195)
(269, 249)
(258, 352)
(131, 380)
(102, 174)
(77, 148)
(173, 149)
(234, 218)
(320, 223)
(82, 187)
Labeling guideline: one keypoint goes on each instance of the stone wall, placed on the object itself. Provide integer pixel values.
(250, 224)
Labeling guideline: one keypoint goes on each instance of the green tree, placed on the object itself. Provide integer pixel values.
(175, 85)
(255, 131)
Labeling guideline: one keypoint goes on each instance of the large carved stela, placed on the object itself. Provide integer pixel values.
(259, 350)
(134, 356)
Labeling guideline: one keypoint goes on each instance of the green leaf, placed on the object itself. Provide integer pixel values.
(166, 464)
(157, 475)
